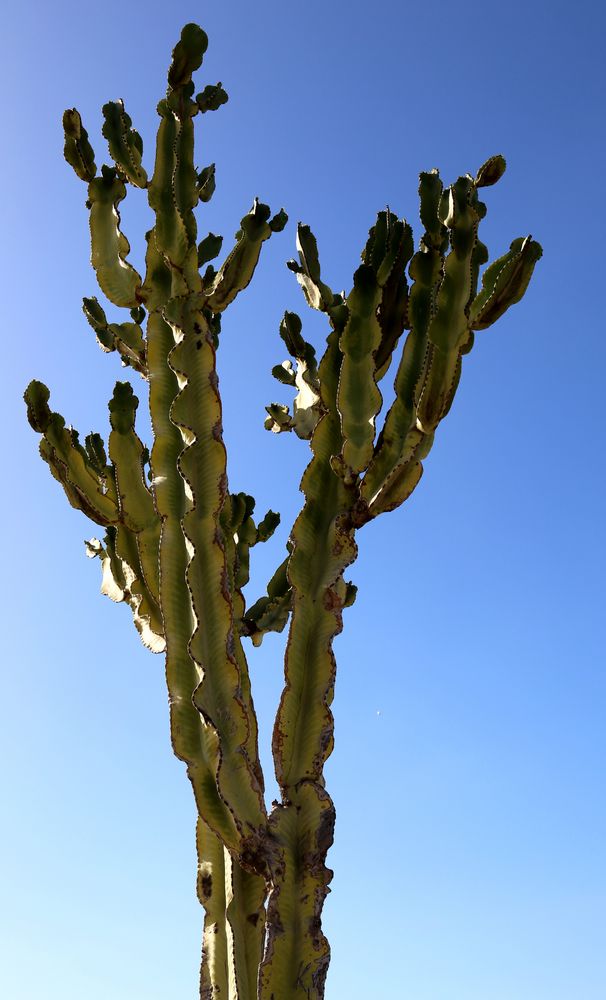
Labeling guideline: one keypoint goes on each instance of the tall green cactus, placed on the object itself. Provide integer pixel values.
(177, 543)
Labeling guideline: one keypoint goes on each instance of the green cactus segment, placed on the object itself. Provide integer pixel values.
(431, 194)
(158, 284)
(109, 247)
(448, 325)
(216, 948)
(125, 338)
(125, 143)
(479, 257)
(77, 149)
(395, 452)
(443, 310)
(136, 504)
(39, 414)
(122, 581)
(174, 192)
(440, 383)
(398, 488)
(234, 923)
(358, 398)
(209, 248)
(307, 406)
(449, 329)
(87, 488)
(114, 574)
(322, 548)
(431, 361)
(239, 534)
(491, 171)
(278, 418)
(245, 910)
(196, 411)
(297, 953)
(206, 182)
(211, 98)
(193, 741)
(392, 313)
(188, 54)
(271, 612)
(186, 182)
(235, 274)
(171, 232)
(317, 294)
(129, 456)
(504, 282)
(245, 892)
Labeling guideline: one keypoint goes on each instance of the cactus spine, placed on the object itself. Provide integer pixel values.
(177, 543)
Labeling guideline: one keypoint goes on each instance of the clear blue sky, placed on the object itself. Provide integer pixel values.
(468, 772)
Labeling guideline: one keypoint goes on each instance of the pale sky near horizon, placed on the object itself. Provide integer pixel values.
(468, 772)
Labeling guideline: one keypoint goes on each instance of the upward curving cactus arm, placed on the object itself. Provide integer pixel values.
(202, 463)
(125, 143)
(118, 279)
(392, 312)
(138, 537)
(88, 487)
(129, 556)
(123, 580)
(504, 283)
(77, 149)
(358, 397)
(236, 272)
(125, 338)
(307, 406)
(394, 469)
(317, 294)
(448, 328)
(443, 308)
(378, 308)
(272, 611)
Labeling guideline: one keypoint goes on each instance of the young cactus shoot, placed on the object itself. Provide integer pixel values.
(175, 542)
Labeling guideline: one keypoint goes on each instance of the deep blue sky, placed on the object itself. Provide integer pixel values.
(470, 703)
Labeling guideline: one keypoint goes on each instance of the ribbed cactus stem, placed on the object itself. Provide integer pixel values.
(297, 952)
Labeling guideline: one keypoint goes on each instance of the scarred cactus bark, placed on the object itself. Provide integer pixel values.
(176, 542)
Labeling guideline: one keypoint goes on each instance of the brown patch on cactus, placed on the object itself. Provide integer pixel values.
(331, 600)
(206, 885)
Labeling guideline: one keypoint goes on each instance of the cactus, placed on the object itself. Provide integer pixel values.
(176, 544)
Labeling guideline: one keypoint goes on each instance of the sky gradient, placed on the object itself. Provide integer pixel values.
(468, 772)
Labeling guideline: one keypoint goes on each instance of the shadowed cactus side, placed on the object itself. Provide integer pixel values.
(176, 542)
